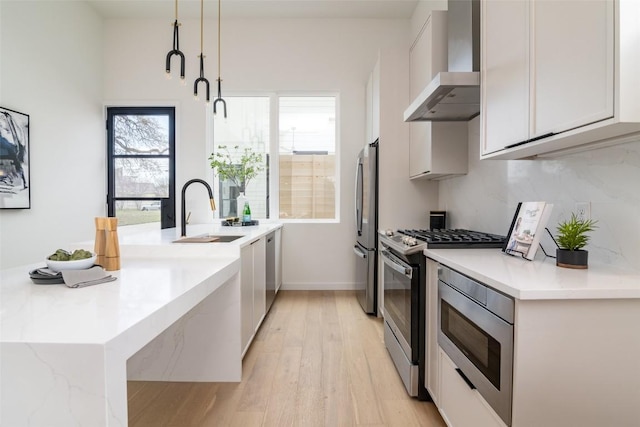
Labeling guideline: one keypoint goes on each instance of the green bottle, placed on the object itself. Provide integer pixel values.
(246, 213)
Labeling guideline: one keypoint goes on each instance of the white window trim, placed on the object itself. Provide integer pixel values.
(274, 152)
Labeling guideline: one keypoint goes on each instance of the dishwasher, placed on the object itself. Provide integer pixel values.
(271, 269)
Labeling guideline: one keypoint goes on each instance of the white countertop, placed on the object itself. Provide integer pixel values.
(149, 235)
(155, 275)
(541, 278)
(97, 314)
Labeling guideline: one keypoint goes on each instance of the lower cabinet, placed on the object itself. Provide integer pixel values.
(459, 405)
(432, 382)
(253, 289)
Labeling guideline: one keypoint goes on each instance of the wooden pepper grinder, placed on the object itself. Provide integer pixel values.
(101, 241)
(112, 247)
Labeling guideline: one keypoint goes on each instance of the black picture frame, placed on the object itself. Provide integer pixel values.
(15, 167)
(526, 229)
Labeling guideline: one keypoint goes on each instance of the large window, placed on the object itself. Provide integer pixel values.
(141, 171)
(307, 157)
(296, 137)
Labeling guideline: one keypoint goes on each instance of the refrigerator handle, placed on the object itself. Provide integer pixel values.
(359, 252)
(358, 197)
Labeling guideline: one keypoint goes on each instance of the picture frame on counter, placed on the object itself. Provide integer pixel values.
(527, 228)
(15, 188)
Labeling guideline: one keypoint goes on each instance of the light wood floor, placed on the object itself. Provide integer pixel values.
(317, 360)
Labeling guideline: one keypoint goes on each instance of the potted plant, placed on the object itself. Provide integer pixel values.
(572, 237)
(238, 166)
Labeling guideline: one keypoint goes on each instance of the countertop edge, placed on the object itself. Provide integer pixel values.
(537, 277)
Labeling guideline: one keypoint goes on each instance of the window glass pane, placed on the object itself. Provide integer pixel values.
(141, 177)
(307, 126)
(244, 132)
(130, 212)
(141, 134)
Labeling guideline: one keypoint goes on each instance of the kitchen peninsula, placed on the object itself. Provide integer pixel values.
(174, 314)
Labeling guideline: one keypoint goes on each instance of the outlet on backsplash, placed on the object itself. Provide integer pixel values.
(583, 210)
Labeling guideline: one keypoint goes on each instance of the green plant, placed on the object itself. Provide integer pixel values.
(572, 234)
(239, 166)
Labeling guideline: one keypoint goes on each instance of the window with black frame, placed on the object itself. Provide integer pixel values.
(141, 165)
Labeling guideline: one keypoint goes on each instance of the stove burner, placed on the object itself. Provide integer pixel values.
(456, 238)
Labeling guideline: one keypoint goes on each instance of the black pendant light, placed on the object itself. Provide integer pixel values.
(201, 78)
(176, 48)
(219, 98)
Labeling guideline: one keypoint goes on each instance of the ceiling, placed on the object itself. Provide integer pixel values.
(386, 9)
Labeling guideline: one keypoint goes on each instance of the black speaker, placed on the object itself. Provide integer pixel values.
(438, 220)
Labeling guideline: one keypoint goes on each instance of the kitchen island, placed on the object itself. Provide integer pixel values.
(575, 342)
(173, 315)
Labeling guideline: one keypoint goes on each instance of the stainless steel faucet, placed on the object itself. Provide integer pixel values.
(183, 221)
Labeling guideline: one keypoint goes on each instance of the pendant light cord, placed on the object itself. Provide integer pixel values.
(219, 32)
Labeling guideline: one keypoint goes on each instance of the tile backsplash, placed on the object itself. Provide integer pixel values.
(608, 178)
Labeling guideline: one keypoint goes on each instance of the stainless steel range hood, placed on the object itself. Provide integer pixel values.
(454, 95)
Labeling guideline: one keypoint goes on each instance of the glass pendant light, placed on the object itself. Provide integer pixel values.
(176, 49)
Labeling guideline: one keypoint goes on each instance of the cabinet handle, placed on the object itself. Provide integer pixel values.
(255, 241)
(466, 380)
(546, 135)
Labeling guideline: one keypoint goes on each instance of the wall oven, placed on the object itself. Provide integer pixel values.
(475, 328)
(404, 316)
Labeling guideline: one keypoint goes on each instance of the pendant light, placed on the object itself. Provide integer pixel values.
(176, 49)
(201, 78)
(219, 98)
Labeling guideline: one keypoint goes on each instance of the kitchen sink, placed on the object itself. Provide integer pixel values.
(209, 238)
(226, 239)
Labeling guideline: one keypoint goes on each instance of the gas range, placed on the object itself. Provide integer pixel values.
(410, 241)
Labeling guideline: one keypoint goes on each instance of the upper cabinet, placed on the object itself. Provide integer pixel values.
(437, 149)
(373, 105)
(558, 76)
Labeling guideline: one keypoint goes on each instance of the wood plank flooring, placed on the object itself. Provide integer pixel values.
(317, 360)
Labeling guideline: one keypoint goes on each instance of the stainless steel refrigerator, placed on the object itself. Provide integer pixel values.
(366, 210)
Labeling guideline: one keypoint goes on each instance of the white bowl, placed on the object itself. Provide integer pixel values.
(78, 264)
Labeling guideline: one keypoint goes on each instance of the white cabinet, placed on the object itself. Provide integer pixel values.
(437, 149)
(432, 382)
(252, 289)
(459, 404)
(558, 76)
(278, 259)
(373, 105)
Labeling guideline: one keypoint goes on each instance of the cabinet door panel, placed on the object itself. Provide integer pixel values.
(460, 405)
(259, 281)
(572, 54)
(419, 148)
(246, 295)
(505, 74)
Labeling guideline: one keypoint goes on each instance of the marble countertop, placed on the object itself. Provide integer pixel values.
(158, 282)
(33, 313)
(539, 279)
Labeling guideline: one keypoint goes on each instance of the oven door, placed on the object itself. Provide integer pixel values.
(401, 302)
(480, 344)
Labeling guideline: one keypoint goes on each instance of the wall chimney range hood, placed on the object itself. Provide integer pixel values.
(454, 95)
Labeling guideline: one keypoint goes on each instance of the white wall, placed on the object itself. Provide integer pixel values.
(261, 55)
(51, 69)
(486, 198)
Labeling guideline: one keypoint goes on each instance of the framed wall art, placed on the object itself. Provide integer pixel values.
(15, 191)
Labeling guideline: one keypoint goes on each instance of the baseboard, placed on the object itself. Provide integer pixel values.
(318, 287)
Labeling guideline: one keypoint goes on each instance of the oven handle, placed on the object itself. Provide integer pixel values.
(396, 264)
